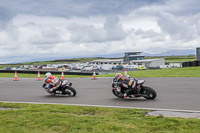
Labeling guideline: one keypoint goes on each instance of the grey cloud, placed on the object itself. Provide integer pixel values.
(146, 34)
(194, 22)
(177, 28)
(42, 35)
(5, 17)
(112, 31)
(183, 7)
(175, 7)
(68, 8)
(86, 33)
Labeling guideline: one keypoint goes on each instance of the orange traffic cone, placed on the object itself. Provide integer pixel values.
(16, 76)
(62, 76)
(125, 73)
(38, 75)
(94, 75)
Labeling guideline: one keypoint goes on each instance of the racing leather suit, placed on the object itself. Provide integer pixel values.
(128, 83)
(54, 81)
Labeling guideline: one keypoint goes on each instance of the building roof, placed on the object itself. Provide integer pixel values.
(106, 60)
(146, 60)
(132, 52)
(135, 56)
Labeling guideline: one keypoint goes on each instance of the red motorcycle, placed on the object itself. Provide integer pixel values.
(65, 89)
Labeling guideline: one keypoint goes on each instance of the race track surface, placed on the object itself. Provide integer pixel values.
(172, 93)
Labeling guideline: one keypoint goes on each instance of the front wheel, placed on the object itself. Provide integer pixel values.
(117, 94)
(70, 91)
(149, 93)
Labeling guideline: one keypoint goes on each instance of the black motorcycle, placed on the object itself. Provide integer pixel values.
(65, 89)
(142, 91)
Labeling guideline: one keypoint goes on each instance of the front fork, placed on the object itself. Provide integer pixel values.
(118, 89)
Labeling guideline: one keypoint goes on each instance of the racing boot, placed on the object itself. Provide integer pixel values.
(125, 96)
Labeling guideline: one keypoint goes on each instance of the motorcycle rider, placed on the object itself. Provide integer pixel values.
(52, 80)
(126, 82)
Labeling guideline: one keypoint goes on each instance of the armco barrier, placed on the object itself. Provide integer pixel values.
(43, 72)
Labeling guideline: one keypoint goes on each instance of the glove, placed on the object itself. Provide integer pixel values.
(113, 85)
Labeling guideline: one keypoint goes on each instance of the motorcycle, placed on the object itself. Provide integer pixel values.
(142, 91)
(65, 88)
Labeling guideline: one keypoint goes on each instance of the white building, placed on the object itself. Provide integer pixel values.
(175, 64)
(131, 58)
(149, 63)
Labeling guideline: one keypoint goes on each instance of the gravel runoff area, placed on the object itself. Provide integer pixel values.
(6, 108)
(174, 114)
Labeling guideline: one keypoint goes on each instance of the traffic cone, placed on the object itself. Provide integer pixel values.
(16, 76)
(62, 76)
(125, 73)
(38, 75)
(94, 75)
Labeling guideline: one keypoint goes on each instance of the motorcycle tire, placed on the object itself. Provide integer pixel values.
(149, 92)
(70, 91)
(117, 94)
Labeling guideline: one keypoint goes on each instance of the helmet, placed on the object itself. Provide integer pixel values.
(47, 74)
(118, 76)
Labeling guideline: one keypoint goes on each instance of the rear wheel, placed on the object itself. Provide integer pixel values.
(70, 91)
(148, 93)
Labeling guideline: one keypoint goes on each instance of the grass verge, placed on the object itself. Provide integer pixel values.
(43, 118)
(173, 72)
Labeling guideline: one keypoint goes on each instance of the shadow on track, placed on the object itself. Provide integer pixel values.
(131, 100)
(57, 96)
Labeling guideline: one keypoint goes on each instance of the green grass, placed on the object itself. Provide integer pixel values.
(175, 58)
(38, 118)
(173, 72)
(180, 60)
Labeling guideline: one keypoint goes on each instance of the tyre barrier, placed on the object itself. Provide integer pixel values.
(191, 63)
(44, 72)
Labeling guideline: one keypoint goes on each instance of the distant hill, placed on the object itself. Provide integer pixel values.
(167, 53)
(173, 53)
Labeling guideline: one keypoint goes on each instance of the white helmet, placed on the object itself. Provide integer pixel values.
(47, 74)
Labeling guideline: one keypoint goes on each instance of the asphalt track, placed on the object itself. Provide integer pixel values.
(172, 93)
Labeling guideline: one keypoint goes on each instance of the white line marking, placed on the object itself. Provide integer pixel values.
(107, 106)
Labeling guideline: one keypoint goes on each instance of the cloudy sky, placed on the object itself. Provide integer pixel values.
(32, 30)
